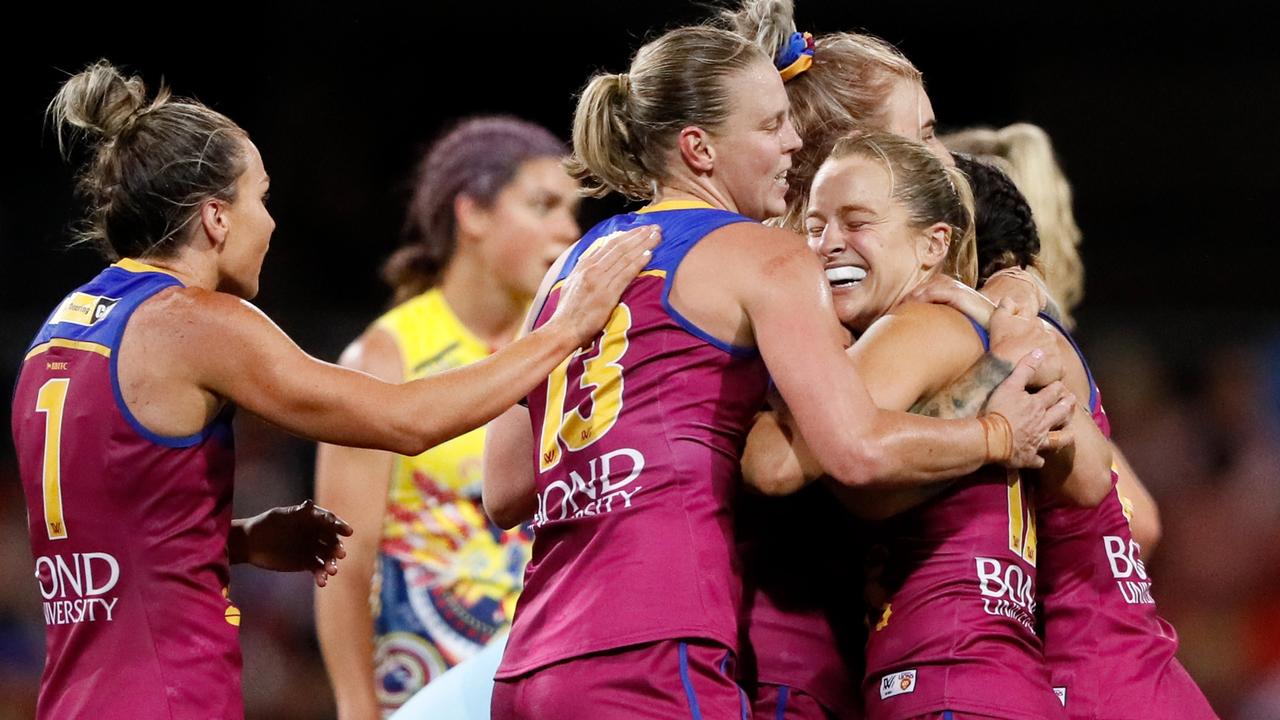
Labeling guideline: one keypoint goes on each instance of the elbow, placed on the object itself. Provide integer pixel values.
(412, 438)
(773, 482)
(1096, 486)
(1146, 529)
(1092, 473)
(505, 510)
(862, 464)
(504, 516)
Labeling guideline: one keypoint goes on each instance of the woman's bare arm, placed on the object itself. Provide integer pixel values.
(1081, 473)
(510, 485)
(355, 482)
(233, 351)
(1141, 508)
(898, 374)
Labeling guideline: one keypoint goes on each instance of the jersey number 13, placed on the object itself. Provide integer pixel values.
(602, 374)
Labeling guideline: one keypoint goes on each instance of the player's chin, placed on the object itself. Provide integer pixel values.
(776, 205)
(847, 317)
(851, 311)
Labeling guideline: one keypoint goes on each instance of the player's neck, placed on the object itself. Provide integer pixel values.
(693, 188)
(488, 309)
(188, 267)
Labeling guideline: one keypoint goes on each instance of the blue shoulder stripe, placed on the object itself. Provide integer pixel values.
(1093, 384)
(982, 333)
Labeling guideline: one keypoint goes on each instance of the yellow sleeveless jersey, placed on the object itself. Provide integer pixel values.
(447, 578)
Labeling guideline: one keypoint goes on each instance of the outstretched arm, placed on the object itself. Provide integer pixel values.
(233, 351)
(510, 486)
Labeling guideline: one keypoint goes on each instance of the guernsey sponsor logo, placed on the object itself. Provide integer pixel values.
(609, 487)
(1130, 574)
(1007, 591)
(1061, 692)
(83, 309)
(76, 588)
(899, 683)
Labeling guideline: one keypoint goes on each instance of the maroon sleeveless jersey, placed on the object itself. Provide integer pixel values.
(802, 559)
(1111, 656)
(128, 529)
(957, 631)
(637, 441)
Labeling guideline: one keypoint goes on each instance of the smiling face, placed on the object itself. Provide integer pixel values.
(874, 256)
(753, 146)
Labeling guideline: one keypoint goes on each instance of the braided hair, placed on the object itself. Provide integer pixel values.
(1006, 231)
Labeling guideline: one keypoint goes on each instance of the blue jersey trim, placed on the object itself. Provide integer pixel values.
(1093, 384)
(694, 330)
(184, 441)
(745, 351)
(667, 257)
(694, 711)
(784, 693)
(127, 288)
(982, 333)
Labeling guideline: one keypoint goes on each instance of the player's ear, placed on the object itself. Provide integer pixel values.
(931, 250)
(214, 222)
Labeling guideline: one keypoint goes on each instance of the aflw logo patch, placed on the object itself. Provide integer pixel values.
(899, 683)
(82, 309)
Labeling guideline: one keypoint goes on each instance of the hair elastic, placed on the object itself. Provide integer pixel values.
(796, 57)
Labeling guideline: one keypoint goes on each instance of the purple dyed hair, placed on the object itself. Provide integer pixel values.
(477, 158)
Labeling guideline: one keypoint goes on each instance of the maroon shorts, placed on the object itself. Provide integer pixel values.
(659, 681)
(782, 702)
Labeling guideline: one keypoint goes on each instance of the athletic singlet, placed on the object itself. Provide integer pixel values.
(958, 630)
(447, 577)
(802, 567)
(128, 529)
(1110, 655)
(637, 446)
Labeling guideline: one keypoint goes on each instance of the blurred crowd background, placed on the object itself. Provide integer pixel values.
(1164, 123)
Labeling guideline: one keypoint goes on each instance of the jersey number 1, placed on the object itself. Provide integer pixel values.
(51, 400)
(602, 373)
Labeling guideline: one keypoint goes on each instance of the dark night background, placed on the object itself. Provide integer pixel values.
(1163, 120)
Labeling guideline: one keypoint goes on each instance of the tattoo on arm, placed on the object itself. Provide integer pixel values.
(965, 396)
